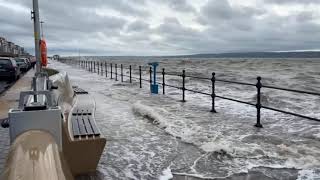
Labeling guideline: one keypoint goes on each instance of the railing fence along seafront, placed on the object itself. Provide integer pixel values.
(112, 70)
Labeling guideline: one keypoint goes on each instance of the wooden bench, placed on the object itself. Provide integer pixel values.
(78, 90)
(83, 143)
(83, 124)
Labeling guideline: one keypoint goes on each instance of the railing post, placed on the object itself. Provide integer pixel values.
(163, 82)
(130, 73)
(213, 93)
(116, 70)
(94, 67)
(121, 72)
(258, 105)
(140, 80)
(101, 64)
(183, 85)
(106, 68)
(98, 65)
(150, 80)
(111, 71)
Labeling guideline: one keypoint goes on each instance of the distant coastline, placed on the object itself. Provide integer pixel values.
(299, 54)
(302, 54)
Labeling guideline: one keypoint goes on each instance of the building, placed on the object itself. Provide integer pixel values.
(11, 47)
(2, 40)
(3, 45)
(8, 48)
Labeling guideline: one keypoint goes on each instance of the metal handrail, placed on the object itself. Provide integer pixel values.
(213, 80)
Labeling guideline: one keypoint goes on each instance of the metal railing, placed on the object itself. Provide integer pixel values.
(94, 66)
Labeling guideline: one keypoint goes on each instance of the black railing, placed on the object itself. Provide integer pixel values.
(91, 66)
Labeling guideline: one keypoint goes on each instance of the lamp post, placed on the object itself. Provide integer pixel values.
(35, 17)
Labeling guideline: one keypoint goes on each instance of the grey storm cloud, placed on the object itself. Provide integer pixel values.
(292, 1)
(168, 27)
(181, 5)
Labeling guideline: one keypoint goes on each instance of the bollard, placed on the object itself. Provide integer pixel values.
(258, 105)
(150, 80)
(106, 68)
(111, 71)
(213, 93)
(121, 73)
(116, 71)
(163, 82)
(183, 85)
(140, 80)
(130, 74)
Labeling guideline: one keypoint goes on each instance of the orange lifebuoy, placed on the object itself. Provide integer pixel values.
(43, 50)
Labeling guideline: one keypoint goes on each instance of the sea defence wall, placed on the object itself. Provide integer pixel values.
(35, 155)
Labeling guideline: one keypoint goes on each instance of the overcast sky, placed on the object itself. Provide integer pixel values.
(165, 27)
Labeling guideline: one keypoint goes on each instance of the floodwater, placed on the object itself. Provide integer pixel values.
(158, 136)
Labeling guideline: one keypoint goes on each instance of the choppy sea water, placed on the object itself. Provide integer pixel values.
(151, 137)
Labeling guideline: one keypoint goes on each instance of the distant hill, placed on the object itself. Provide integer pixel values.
(304, 54)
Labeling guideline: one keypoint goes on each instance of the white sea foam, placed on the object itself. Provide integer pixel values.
(308, 174)
(149, 113)
(166, 174)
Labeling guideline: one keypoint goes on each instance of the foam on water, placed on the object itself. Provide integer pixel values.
(166, 174)
(308, 174)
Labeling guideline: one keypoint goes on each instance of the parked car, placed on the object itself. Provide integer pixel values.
(29, 63)
(23, 64)
(9, 70)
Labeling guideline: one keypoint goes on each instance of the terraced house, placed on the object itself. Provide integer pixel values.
(9, 48)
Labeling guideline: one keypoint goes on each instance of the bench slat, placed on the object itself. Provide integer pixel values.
(82, 128)
(79, 91)
(88, 126)
(93, 126)
(75, 127)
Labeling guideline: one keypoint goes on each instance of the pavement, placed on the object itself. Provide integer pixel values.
(9, 99)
